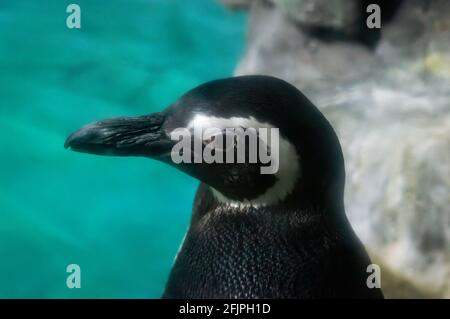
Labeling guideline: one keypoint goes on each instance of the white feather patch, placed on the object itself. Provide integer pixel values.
(289, 168)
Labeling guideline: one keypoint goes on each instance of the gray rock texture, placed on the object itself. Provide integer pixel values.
(390, 105)
(337, 14)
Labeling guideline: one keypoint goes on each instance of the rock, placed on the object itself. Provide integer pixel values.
(419, 34)
(342, 15)
(279, 47)
(390, 106)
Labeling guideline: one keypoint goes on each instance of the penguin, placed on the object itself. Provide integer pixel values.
(252, 235)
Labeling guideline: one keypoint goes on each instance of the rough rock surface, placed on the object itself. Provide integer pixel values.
(337, 14)
(390, 105)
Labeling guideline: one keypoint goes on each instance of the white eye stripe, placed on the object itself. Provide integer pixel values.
(204, 121)
(289, 168)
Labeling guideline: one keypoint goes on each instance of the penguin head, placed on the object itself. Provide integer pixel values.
(255, 140)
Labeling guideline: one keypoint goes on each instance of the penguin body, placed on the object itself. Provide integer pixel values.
(267, 252)
(253, 235)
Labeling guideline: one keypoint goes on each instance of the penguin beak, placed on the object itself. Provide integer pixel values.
(123, 136)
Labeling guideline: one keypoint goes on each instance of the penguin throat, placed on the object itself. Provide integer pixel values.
(288, 161)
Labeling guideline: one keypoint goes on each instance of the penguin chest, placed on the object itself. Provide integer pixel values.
(240, 257)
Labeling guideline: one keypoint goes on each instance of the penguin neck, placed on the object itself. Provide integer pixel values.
(297, 210)
(297, 200)
(209, 214)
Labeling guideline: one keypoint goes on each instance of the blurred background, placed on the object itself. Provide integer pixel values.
(116, 218)
(386, 91)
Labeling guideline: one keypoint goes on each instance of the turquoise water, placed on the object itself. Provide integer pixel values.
(120, 219)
